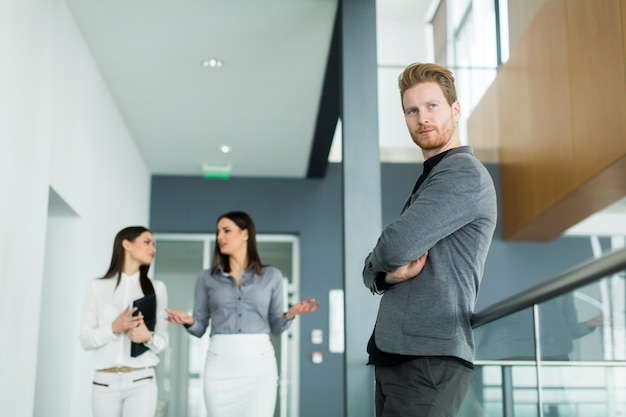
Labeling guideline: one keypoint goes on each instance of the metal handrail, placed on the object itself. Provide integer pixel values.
(576, 277)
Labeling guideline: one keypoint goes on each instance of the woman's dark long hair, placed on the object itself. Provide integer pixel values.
(117, 258)
(244, 222)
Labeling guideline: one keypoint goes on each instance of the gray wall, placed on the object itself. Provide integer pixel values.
(312, 209)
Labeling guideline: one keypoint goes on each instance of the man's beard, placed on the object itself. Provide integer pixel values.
(437, 139)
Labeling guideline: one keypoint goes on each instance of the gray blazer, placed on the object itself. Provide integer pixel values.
(452, 215)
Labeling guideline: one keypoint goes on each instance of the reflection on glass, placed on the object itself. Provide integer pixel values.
(559, 327)
(512, 337)
(575, 328)
(177, 264)
(589, 391)
(524, 390)
(485, 397)
(581, 371)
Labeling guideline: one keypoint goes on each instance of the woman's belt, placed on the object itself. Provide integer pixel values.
(123, 369)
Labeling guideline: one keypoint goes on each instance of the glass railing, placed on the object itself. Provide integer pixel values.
(556, 350)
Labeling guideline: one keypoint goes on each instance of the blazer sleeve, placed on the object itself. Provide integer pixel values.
(96, 323)
(276, 314)
(201, 308)
(447, 201)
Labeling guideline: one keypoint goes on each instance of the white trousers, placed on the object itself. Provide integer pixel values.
(241, 376)
(132, 394)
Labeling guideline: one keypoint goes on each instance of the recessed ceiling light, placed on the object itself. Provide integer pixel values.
(226, 148)
(212, 63)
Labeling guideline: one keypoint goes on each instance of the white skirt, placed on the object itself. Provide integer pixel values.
(240, 376)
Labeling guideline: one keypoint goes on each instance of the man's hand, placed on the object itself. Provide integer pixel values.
(408, 271)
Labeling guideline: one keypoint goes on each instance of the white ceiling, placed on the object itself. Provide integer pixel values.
(263, 101)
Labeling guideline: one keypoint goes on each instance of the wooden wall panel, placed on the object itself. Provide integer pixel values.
(521, 13)
(596, 67)
(482, 125)
(515, 137)
(623, 6)
(562, 118)
(536, 150)
(551, 150)
(607, 185)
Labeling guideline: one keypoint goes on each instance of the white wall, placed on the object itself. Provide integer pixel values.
(59, 130)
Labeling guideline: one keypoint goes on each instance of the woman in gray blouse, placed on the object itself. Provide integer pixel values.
(242, 299)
